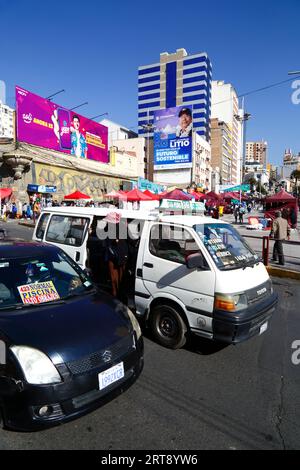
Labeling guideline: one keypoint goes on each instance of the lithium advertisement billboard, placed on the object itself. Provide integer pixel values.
(45, 124)
(173, 138)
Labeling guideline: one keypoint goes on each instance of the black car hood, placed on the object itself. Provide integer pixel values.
(67, 331)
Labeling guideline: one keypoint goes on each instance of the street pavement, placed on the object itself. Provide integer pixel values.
(201, 397)
(254, 239)
(204, 396)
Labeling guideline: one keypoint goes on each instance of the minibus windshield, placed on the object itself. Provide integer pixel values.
(225, 246)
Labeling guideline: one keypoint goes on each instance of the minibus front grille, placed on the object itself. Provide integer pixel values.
(254, 294)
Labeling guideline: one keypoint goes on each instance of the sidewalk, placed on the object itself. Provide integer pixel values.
(254, 239)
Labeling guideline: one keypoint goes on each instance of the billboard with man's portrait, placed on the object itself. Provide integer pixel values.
(45, 124)
(173, 128)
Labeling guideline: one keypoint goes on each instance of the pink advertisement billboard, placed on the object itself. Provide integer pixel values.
(46, 124)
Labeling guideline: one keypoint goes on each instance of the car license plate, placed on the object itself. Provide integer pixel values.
(263, 328)
(111, 375)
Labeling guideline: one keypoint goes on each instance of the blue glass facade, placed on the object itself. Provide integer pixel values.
(195, 93)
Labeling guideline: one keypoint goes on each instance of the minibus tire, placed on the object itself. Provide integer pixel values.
(168, 327)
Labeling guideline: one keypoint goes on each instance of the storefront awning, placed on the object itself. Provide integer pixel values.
(35, 188)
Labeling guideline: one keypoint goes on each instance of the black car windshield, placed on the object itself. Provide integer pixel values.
(39, 279)
(225, 246)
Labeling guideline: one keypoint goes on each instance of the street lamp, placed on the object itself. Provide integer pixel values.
(99, 115)
(243, 119)
(148, 128)
(54, 94)
(78, 106)
(294, 73)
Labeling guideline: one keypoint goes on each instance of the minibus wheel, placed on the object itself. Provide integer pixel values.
(168, 327)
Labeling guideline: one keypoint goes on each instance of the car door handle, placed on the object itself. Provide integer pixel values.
(77, 256)
(148, 265)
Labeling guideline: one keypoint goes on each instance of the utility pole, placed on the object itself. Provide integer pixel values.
(149, 128)
(243, 120)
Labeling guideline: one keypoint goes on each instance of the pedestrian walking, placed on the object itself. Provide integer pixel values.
(14, 210)
(236, 213)
(280, 231)
(36, 211)
(241, 214)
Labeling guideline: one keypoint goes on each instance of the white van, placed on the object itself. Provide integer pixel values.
(192, 274)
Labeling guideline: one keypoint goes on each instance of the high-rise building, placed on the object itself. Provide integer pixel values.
(225, 108)
(6, 121)
(177, 79)
(290, 163)
(221, 150)
(256, 153)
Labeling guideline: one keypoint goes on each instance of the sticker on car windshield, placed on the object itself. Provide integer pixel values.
(4, 265)
(38, 293)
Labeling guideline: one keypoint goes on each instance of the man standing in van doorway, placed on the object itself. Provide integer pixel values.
(280, 231)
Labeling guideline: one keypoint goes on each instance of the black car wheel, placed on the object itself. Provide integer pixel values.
(168, 327)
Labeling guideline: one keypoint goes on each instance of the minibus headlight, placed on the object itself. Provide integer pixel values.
(37, 367)
(231, 303)
(135, 324)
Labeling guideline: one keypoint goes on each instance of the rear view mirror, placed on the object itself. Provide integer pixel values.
(196, 260)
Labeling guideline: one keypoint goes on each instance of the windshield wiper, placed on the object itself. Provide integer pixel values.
(80, 294)
(41, 304)
(250, 264)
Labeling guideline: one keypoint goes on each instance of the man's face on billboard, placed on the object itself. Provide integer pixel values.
(185, 120)
(76, 123)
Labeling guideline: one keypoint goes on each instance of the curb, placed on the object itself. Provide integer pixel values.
(285, 273)
(25, 224)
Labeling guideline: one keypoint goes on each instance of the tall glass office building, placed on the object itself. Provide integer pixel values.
(178, 79)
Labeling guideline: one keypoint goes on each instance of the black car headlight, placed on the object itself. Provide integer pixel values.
(36, 366)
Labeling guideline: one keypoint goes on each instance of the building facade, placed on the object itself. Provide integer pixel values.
(290, 163)
(202, 170)
(221, 150)
(177, 79)
(129, 154)
(256, 153)
(225, 108)
(117, 131)
(7, 128)
(199, 174)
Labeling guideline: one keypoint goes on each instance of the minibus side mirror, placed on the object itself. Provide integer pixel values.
(196, 260)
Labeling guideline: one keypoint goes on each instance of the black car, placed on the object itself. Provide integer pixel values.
(65, 347)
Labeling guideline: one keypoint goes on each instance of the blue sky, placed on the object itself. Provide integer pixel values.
(92, 49)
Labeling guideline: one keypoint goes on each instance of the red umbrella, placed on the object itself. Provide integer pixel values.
(281, 196)
(154, 197)
(136, 195)
(176, 194)
(5, 192)
(212, 195)
(198, 196)
(114, 194)
(77, 195)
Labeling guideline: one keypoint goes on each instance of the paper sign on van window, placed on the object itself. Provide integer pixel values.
(38, 293)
